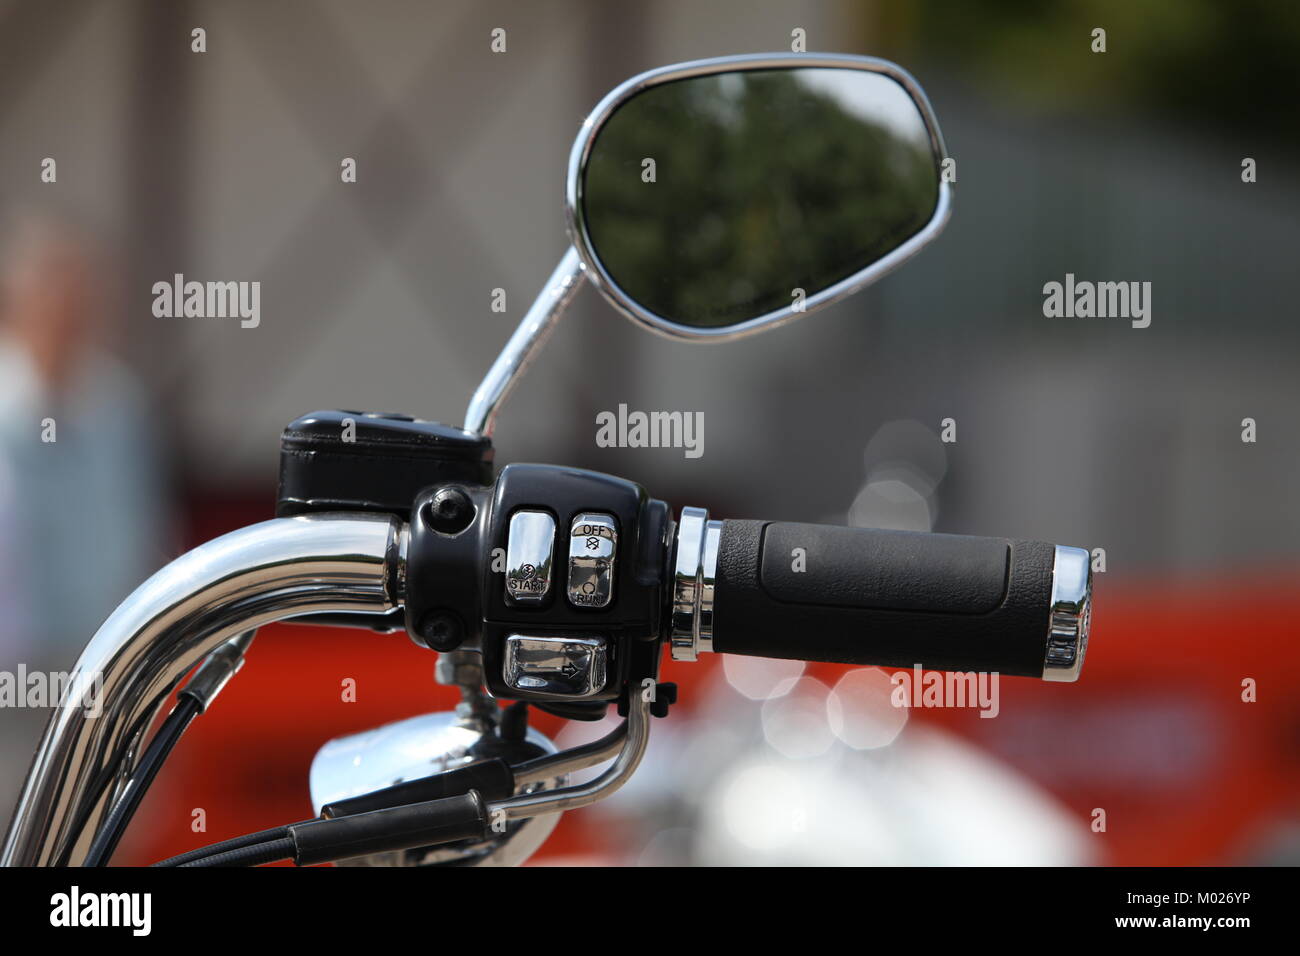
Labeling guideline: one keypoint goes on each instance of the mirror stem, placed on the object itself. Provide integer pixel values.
(480, 417)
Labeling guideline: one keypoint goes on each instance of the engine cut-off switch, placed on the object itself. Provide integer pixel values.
(593, 548)
(529, 552)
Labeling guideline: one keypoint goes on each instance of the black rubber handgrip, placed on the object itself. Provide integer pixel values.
(891, 598)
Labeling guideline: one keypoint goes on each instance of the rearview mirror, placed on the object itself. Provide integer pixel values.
(712, 199)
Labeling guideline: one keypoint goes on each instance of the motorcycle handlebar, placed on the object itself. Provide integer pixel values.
(889, 598)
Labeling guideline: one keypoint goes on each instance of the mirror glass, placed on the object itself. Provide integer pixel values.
(709, 200)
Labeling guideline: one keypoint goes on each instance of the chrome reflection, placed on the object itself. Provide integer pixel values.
(251, 577)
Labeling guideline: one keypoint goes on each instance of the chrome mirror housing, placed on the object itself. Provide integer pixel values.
(713, 199)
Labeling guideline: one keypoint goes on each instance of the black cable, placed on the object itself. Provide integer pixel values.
(492, 778)
(431, 823)
(325, 840)
(235, 843)
(101, 850)
(254, 855)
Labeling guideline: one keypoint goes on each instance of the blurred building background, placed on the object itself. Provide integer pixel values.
(1123, 165)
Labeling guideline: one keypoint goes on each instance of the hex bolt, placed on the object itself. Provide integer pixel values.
(449, 511)
(463, 668)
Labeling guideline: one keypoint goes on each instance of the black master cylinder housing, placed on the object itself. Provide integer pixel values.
(342, 460)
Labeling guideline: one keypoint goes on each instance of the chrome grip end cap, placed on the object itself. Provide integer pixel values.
(1069, 616)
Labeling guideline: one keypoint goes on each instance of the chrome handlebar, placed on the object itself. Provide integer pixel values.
(257, 575)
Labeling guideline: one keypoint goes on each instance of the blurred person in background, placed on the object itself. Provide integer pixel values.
(81, 506)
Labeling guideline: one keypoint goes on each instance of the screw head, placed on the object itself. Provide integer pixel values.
(442, 630)
(449, 511)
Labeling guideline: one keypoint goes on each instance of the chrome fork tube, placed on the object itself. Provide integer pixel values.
(263, 573)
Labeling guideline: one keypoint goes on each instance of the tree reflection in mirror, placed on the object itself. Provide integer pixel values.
(762, 182)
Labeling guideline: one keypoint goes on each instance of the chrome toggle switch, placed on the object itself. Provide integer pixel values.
(593, 545)
(567, 666)
(528, 556)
